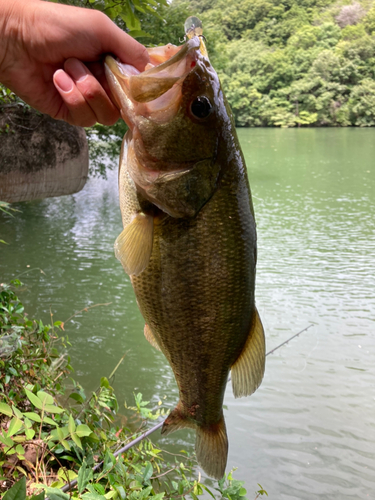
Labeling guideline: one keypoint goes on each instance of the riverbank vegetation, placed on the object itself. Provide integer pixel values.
(53, 434)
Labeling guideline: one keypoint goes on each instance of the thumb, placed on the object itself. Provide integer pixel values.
(122, 45)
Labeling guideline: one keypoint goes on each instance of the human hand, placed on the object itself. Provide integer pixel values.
(42, 47)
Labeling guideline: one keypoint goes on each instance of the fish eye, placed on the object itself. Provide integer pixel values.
(201, 107)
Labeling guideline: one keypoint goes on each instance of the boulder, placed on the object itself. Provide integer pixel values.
(39, 157)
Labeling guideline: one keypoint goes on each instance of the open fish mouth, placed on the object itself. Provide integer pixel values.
(169, 149)
(155, 93)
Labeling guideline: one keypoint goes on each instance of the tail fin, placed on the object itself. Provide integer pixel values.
(211, 444)
(211, 447)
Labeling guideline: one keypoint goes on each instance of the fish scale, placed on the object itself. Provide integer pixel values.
(196, 288)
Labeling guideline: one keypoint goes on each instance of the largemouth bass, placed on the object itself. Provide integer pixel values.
(189, 238)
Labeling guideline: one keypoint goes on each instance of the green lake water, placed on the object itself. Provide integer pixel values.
(309, 430)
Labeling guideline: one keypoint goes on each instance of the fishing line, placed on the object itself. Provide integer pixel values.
(307, 357)
(286, 341)
(71, 484)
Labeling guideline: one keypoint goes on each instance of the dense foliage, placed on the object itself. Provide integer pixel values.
(286, 62)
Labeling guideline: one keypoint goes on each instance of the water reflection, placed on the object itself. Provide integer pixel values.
(309, 431)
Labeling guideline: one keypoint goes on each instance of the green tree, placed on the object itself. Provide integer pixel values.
(362, 104)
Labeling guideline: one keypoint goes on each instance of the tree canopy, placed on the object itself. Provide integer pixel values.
(285, 62)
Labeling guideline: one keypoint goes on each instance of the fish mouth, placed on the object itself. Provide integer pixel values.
(156, 92)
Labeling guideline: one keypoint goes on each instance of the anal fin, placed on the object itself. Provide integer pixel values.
(248, 370)
(177, 419)
(133, 246)
(150, 337)
(211, 443)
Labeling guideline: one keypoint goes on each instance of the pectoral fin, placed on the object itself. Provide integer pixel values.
(150, 337)
(133, 246)
(248, 370)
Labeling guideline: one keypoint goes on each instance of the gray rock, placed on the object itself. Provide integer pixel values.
(40, 157)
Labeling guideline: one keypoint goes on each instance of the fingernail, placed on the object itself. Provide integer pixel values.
(77, 70)
(63, 81)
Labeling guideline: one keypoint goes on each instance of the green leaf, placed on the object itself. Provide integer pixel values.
(147, 472)
(208, 491)
(32, 416)
(6, 410)
(30, 433)
(221, 483)
(85, 474)
(77, 440)
(110, 494)
(41, 496)
(49, 421)
(158, 496)
(262, 491)
(71, 425)
(14, 426)
(45, 398)
(67, 474)
(93, 496)
(121, 492)
(65, 444)
(34, 399)
(19, 439)
(17, 491)
(135, 485)
(99, 488)
(180, 488)
(76, 397)
(56, 494)
(104, 382)
(6, 440)
(198, 490)
(83, 430)
(53, 409)
(20, 454)
(61, 432)
(17, 412)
